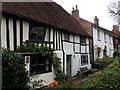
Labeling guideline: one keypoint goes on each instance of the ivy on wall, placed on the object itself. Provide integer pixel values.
(29, 47)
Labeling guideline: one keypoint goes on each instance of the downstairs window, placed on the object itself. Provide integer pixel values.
(84, 59)
(39, 65)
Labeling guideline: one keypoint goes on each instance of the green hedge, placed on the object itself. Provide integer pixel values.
(109, 78)
(14, 74)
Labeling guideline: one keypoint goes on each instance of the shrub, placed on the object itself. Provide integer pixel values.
(109, 78)
(116, 54)
(104, 62)
(14, 74)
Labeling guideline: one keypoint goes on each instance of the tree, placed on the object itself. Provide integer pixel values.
(114, 9)
(14, 74)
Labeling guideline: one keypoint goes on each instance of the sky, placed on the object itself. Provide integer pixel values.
(88, 9)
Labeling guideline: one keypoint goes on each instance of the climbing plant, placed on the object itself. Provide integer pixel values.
(29, 47)
(105, 51)
(99, 50)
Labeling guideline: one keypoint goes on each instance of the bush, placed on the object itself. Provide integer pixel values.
(109, 78)
(104, 62)
(14, 74)
(116, 54)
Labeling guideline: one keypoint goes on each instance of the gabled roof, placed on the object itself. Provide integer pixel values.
(47, 13)
(88, 26)
(116, 32)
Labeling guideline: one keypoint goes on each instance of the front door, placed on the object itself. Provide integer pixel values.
(68, 65)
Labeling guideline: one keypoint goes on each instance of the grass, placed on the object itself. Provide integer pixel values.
(84, 84)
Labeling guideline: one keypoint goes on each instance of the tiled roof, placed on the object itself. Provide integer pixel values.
(47, 13)
(116, 32)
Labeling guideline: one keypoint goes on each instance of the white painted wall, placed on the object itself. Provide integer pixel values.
(76, 58)
(3, 33)
(11, 38)
(18, 32)
(102, 43)
(25, 31)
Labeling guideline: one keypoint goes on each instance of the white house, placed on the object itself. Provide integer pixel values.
(102, 38)
(47, 24)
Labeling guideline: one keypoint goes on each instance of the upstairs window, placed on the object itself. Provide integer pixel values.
(98, 35)
(84, 59)
(82, 40)
(105, 37)
(37, 33)
(110, 39)
(66, 36)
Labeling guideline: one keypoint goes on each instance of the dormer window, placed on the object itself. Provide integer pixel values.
(105, 37)
(66, 36)
(82, 40)
(37, 33)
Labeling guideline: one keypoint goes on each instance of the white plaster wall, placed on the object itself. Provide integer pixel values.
(77, 47)
(60, 55)
(47, 77)
(25, 31)
(68, 47)
(18, 32)
(87, 40)
(47, 35)
(3, 33)
(11, 34)
(102, 43)
(83, 49)
(75, 63)
(76, 38)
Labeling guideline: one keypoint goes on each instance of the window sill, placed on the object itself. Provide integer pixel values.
(38, 73)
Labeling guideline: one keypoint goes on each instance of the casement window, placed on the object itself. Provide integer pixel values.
(37, 32)
(98, 35)
(82, 40)
(84, 59)
(110, 39)
(39, 65)
(105, 37)
(67, 36)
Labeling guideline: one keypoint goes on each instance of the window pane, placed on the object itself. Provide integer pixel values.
(82, 40)
(37, 32)
(66, 36)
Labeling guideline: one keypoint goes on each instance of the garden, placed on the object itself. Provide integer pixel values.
(16, 76)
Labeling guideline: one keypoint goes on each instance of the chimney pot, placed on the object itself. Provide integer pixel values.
(73, 8)
(96, 21)
(76, 7)
(115, 27)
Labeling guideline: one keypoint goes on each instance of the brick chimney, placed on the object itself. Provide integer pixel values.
(115, 27)
(75, 13)
(96, 21)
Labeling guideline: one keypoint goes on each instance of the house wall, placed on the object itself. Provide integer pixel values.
(101, 43)
(16, 31)
(12, 34)
(75, 49)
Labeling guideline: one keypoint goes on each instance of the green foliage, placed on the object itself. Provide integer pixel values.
(14, 74)
(67, 83)
(116, 54)
(99, 50)
(35, 82)
(60, 76)
(104, 62)
(29, 47)
(105, 51)
(109, 78)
